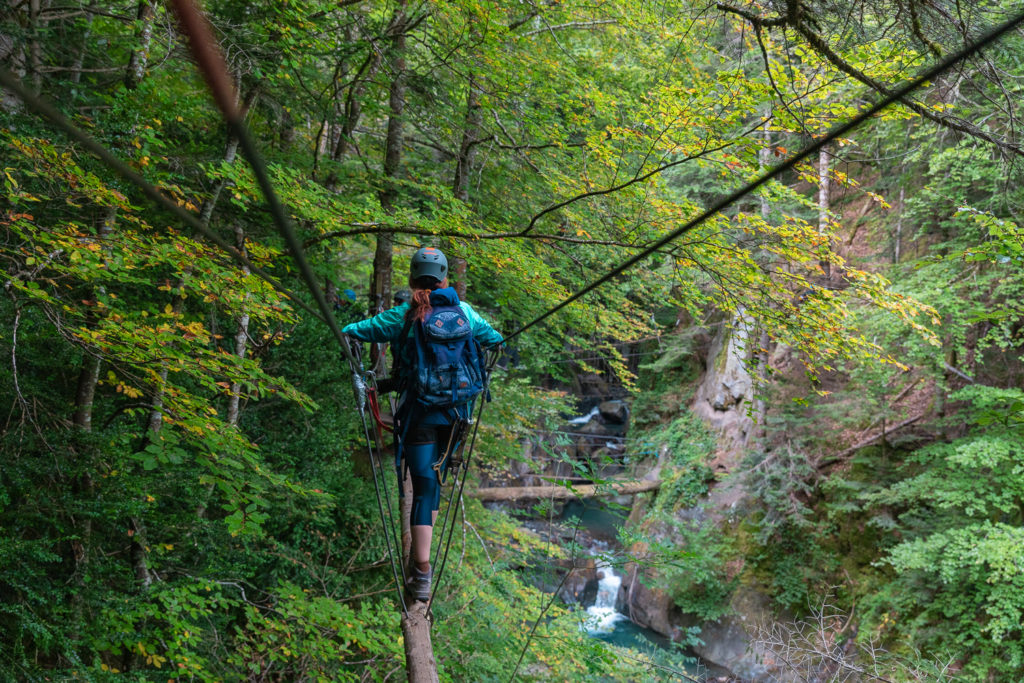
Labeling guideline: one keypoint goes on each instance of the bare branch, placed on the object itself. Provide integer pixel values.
(621, 186)
(796, 20)
(376, 228)
(756, 20)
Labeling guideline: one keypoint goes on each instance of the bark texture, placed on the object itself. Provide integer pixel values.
(140, 55)
(419, 650)
(383, 266)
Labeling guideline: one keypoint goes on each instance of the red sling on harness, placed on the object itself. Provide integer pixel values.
(371, 397)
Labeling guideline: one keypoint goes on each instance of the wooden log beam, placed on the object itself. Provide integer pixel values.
(420, 665)
(419, 651)
(496, 493)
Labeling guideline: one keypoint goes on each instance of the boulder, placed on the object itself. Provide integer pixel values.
(580, 586)
(615, 412)
(594, 428)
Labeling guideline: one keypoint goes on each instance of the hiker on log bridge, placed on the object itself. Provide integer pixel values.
(440, 372)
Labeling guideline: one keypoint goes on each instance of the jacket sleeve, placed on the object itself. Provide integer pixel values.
(383, 327)
(482, 330)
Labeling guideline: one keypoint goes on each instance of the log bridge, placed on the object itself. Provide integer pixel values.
(563, 492)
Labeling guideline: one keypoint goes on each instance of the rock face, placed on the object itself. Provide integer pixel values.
(729, 643)
(647, 606)
(580, 587)
(727, 387)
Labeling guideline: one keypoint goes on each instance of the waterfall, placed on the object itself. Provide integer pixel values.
(602, 616)
(584, 419)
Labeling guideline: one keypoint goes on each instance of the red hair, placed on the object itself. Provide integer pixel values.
(419, 305)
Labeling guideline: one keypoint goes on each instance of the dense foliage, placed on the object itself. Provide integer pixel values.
(184, 492)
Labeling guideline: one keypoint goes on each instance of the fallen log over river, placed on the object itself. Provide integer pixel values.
(496, 493)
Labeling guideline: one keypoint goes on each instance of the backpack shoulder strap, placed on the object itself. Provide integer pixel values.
(403, 342)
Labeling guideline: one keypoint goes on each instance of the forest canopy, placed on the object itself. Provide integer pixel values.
(184, 490)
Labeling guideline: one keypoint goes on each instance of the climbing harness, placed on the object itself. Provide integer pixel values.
(452, 453)
(214, 70)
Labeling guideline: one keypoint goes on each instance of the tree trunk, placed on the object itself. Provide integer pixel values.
(140, 55)
(241, 337)
(138, 553)
(35, 46)
(758, 434)
(563, 492)
(383, 268)
(899, 227)
(463, 166)
(205, 215)
(230, 152)
(352, 109)
(420, 666)
(823, 207)
(79, 61)
(419, 650)
(85, 394)
(89, 376)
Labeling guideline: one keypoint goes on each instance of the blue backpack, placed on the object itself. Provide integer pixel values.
(447, 363)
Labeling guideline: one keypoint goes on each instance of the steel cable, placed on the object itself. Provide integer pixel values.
(214, 71)
(462, 482)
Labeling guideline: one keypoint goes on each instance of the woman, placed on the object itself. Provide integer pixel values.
(422, 432)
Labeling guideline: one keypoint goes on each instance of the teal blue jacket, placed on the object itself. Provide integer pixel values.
(387, 326)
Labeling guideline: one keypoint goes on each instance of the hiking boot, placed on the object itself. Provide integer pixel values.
(417, 583)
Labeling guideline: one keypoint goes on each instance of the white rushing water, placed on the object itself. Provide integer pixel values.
(602, 616)
(584, 419)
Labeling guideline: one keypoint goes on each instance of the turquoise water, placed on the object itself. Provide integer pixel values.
(603, 622)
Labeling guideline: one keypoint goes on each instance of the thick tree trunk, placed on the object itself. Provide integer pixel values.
(138, 553)
(420, 666)
(563, 492)
(88, 378)
(140, 55)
